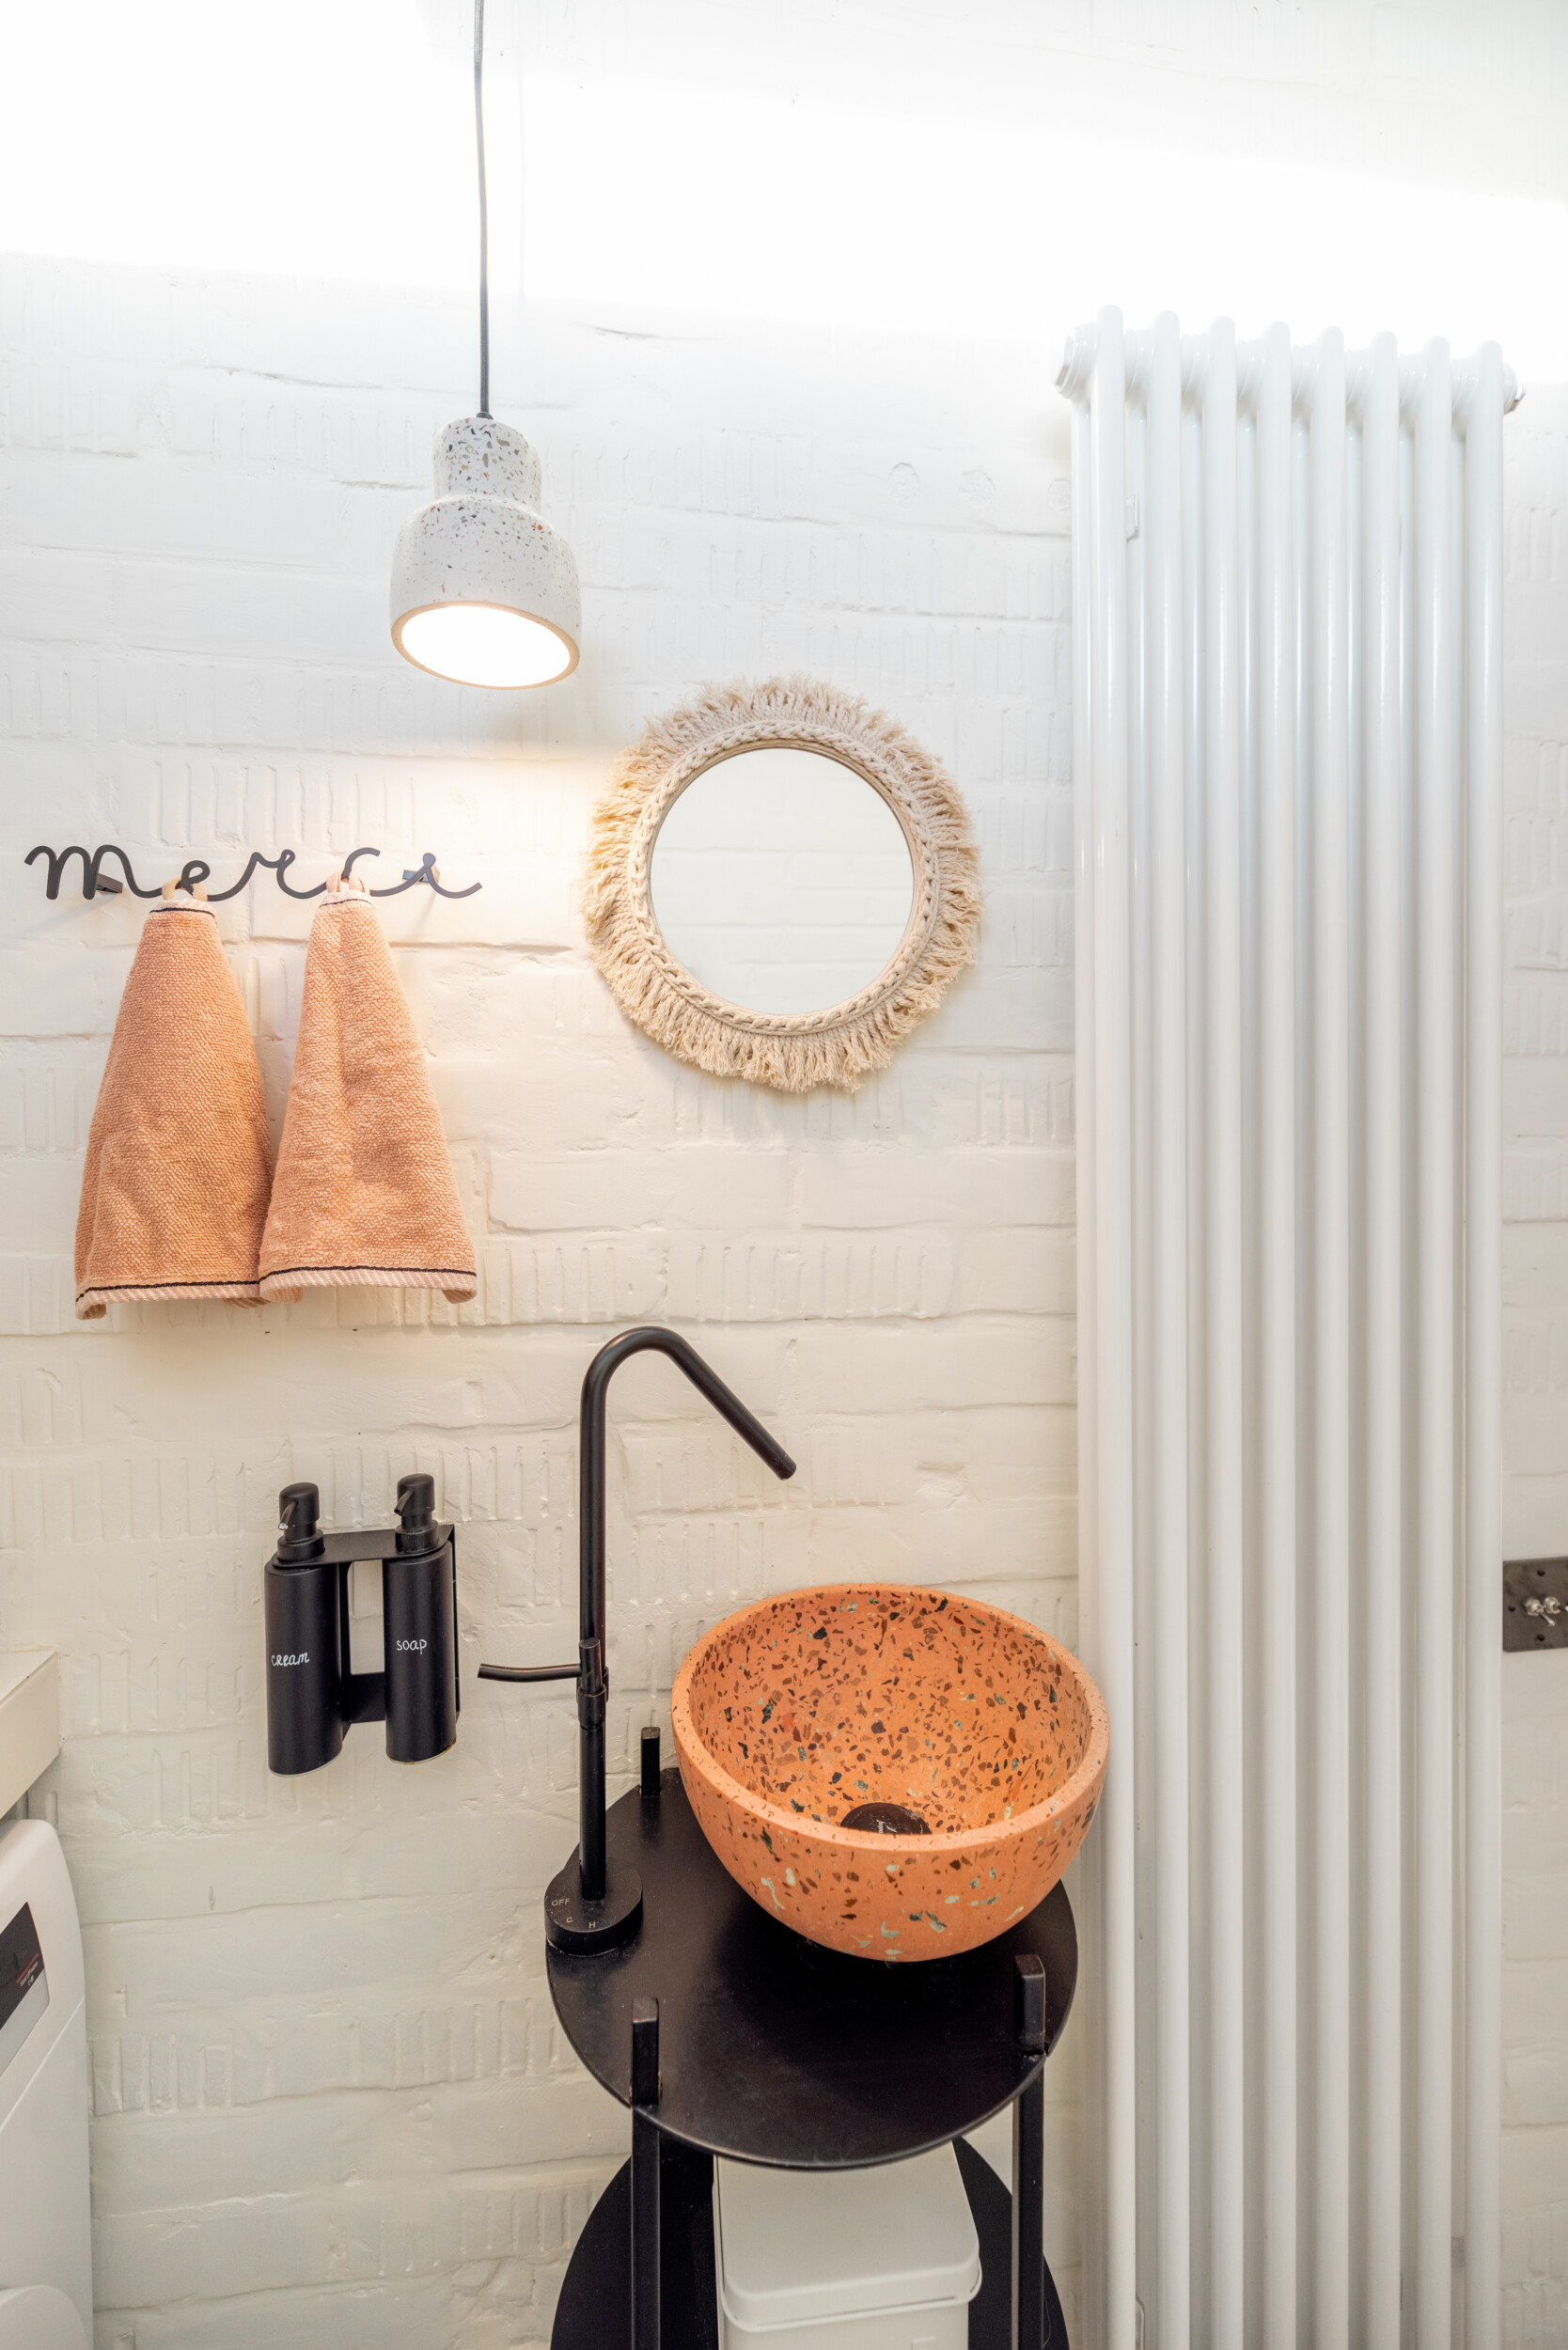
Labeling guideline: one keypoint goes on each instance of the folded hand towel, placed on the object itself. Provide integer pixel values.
(364, 1192)
(174, 1194)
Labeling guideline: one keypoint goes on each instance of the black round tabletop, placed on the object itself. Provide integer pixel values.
(774, 2050)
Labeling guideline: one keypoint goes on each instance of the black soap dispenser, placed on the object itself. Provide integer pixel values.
(312, 1694)
(419, 1603)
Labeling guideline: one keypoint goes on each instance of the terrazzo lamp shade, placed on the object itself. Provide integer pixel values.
(483, 591)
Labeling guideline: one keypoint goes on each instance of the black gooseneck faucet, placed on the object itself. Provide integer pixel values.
(592, 1906)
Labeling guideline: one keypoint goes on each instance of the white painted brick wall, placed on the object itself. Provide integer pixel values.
(331, 2103)
(1535, 1688)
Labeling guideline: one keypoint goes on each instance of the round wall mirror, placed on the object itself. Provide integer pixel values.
(781, 882)
(781, 879)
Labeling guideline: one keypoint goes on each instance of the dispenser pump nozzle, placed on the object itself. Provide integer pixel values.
(416, 1505)
(299, 1525)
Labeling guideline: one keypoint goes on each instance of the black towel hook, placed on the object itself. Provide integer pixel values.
(96, 881)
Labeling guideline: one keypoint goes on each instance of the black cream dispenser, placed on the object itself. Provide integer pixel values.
(313, 1696)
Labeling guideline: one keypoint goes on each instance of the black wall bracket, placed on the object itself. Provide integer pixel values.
(1535, 1602)
(313, 1696)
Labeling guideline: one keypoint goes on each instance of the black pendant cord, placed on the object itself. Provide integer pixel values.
(484, 210)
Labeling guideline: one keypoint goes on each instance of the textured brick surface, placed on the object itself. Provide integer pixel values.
(330, 2102)
(1535, 1413)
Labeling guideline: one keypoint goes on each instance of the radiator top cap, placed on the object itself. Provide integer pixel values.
(416, 1530)
(299, 1525)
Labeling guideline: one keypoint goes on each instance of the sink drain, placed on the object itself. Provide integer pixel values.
(885, 1819)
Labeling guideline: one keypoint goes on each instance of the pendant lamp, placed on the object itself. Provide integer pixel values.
(483, 591)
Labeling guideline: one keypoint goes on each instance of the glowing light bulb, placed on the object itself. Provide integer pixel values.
(484, 644)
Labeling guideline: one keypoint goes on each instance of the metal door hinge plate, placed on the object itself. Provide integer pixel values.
(1535, 1602)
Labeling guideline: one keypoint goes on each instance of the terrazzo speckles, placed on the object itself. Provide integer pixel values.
(482, 541)
(798, 1710)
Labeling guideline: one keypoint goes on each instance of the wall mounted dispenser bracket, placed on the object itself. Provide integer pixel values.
(312, 1694)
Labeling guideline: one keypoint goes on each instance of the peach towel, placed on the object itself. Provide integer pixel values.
(174, 1193)
(364, 1195)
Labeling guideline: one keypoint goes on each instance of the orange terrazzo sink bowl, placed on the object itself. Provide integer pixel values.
(804, 1720)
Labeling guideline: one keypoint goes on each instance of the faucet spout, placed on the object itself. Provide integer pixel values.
(584, 1908)
(593, 1683)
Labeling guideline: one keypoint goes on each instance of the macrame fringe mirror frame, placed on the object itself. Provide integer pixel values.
(796, 1052)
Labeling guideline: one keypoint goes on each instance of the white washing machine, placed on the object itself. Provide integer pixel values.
(45, 2229)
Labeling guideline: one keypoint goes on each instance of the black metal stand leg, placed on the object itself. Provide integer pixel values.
(644, 2176)
(1029, 2195)
(645, 2233)
(1028, 2165)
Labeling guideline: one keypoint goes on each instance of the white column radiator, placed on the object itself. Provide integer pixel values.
(1288, 575)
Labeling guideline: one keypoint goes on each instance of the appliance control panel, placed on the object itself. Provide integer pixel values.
(23, 1983)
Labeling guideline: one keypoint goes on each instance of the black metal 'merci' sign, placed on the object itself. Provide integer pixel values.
(1535, 1602)
(196, 872)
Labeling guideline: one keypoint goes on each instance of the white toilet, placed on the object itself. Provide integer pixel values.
(46, 2231)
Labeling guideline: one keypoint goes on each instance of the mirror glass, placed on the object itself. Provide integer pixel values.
(782, 880)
